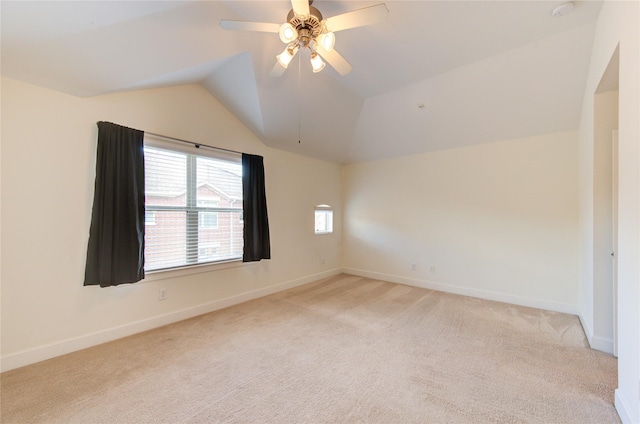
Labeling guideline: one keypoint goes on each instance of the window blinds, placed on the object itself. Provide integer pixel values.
(193, 207)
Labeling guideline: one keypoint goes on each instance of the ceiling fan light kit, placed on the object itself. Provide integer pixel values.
(327, 40)
(306, 28)
(286, 56)
(287, 33)
(316, 63)
(302, 31)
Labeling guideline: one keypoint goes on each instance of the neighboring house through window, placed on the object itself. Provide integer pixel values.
(208, 219)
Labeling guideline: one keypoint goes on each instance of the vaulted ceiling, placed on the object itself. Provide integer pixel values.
(433, 75)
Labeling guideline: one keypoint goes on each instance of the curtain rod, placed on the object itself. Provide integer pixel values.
(197, 145)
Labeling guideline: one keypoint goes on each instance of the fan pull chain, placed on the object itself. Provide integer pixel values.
(299, 99)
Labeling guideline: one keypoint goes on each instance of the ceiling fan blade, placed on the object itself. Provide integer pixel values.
(249, 26)
(334, 59)
(357, 18)
(300, 7)
(277, 70)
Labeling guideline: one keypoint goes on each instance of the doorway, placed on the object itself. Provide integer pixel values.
(605, 210)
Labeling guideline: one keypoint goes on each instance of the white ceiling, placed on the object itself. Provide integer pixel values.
(434, 75)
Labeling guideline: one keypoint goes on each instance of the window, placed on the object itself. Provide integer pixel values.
(195, 199)
(149, 218)
(208, 219)
(323, 219)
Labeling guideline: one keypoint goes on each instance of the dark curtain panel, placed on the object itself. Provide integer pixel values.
(115, 254)
(256, 222)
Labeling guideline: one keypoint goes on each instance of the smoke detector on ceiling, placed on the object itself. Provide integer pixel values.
(563, 9)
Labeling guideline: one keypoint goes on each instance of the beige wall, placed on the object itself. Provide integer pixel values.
(498, 220)
(617, 27)
(48, 167)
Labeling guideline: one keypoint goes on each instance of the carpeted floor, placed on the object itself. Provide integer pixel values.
(345, 349)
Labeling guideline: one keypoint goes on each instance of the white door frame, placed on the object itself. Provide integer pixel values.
(614, 247)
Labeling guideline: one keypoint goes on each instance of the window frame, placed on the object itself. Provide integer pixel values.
(192, 209)
(327, 211)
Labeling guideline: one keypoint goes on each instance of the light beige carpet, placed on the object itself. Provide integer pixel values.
(345, 349)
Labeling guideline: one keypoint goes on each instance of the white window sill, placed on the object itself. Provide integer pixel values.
(191, 270)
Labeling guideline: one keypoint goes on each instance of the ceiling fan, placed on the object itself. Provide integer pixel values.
(306, 28)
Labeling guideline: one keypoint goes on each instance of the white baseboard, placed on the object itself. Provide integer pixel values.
(586, 326)
(43, 352)
(468, 291)
(601, 344)
(595, 342)
(48, 351)
(623, 410)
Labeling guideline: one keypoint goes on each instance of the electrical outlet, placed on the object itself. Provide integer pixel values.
(322, 260)
(432, 268)
(162, 294)
(414, 267)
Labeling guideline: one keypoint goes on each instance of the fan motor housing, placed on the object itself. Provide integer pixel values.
(313, 24)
